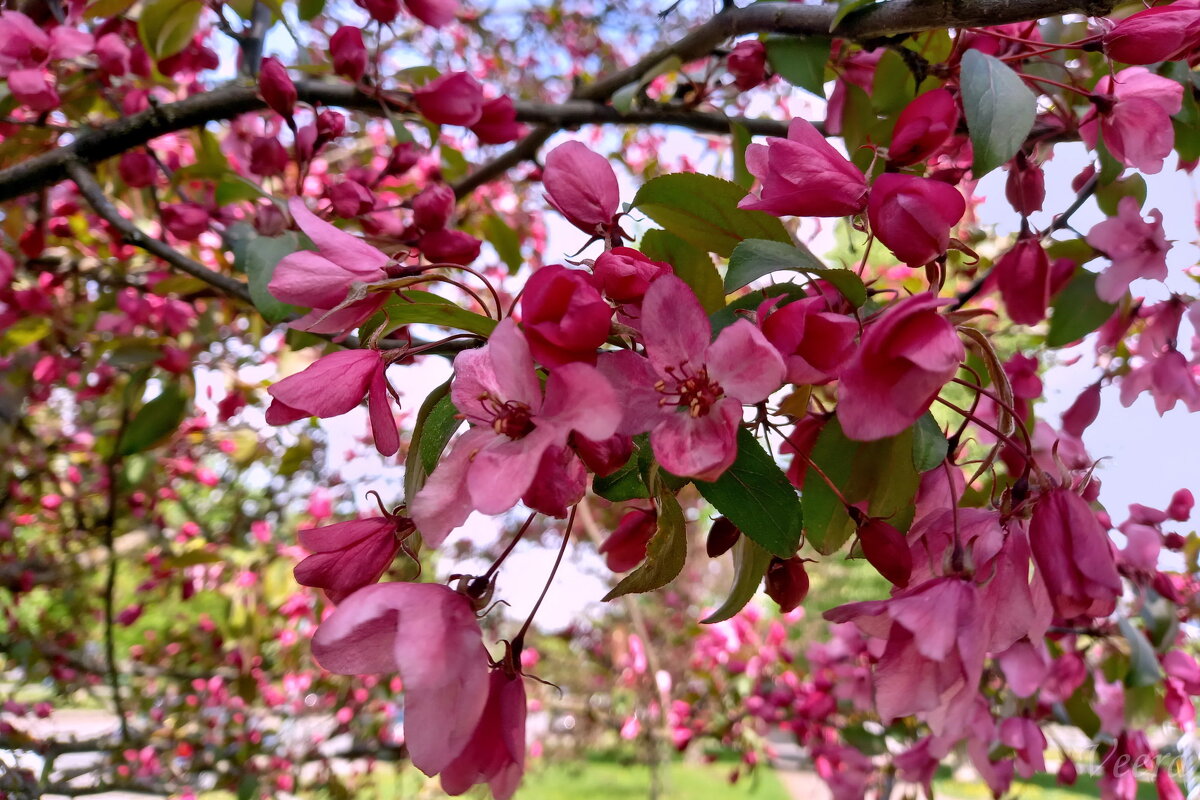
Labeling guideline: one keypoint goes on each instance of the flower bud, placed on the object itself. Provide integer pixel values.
(1180, 508)
(886, 550)
(268, 156)
(1083, 412)
(582, 186)
(330, 125)
(1072, 552)
(185, 221)
(803, 176)
(787, 582)
(384, 11)
(348, 52)
(1164, 33)
(112, 54)
(453, 99)
(747, 63)
(606, 456)
(625, 547)
(276, 87)
(1023, 275)
(434, 13)
(350, 199)
(922, 127)
(137, 169)
(722, 536)
(498, 122)
(452, 247)
(404, 157)
(565, 319)
(624, 274)
(913, 216)
(1025, 186)
(433, 207)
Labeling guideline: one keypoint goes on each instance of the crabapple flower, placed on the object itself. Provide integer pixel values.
(624, 274)
(349, 52)
(582, 186)
(276, 87)
(495, 753)
(347, 556)
(24, 43)
(804, 176)
(433, 206)
(815, 343)
(1165, 33)
(787, 582)
(885, 549)
(33, 88)
(625, 547)
(320, 280)
(1025, 186)
(689, 392)
(428, 634)
(1133, 113)
(1168, 377)
(1073, 555)
(185, 221)
(747, 63)
(515, 424)
(913, 216)
(452, 99)
(498, 122)
(1023, 276)
(922, 127)
(1136, 248)
(452, 247)
(334, 384)
(905, 358)
(564, 318)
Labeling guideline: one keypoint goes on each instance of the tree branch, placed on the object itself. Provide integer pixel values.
(94, 194)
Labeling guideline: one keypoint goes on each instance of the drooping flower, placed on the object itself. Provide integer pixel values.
(625, 547)
(1023, 275)
(428, 634)
(1133, 113)
(1073, 555)
(495, 463)
(690, 390)
(787, 582)
(1136, 248)
(913, 216)
(347, 556)
(804, 176)
(321, 280)
(332, 386)
(563, 315)
(922, 127)
(1025, 186)
(905, 358)
(582, 186)
(495, 753)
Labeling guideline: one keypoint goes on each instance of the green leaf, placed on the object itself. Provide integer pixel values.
(166, 26)
(437, 421)
(1143, 664)
(755, 258)
(741, 140)
(27, 331)
(756, 496)
(800, 60)
(750, 564)
(702, 210)
(999, 107)
(506, 242)
(154, 421)
(1109, 196)
(694, 267)
(748, 303)
(666, 553)
(415, 307)
(624, 484)
(894, 86)
(258, 258)
(1077, 310)
(309, 9)
(929, 444)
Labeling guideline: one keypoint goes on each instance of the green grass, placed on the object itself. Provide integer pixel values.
(594, 780)
(1039, 787)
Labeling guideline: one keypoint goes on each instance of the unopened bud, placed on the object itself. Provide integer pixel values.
(721, 536)
(787, 582)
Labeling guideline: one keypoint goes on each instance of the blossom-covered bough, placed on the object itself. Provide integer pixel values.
(687, 358)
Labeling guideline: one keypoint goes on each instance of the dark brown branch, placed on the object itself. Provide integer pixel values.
(96, 198)
(523, 150)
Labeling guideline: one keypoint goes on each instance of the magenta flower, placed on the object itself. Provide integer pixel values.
(582, 186)
(347, 556)
(320, 280)
(455, 98)
(815, 343)
(495, 753)
(514, 428)
(690, 391)
(1134, 115)
(24, 43)
(428, 634)
(625, 274)
(564, 317)
(922, 127)
(625, 547)
(747, 63)
(1137, 249)
(906, 356)
(1164, 33)
(348, 52)
(803, 176)
(332, 386)
(498, 122)
(913, 216)
(1073, 555)
(1023, 275)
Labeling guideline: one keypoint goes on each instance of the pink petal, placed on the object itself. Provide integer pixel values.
(633, 378)
(698, 447)
(308, 279)
(442, 504)
(579, 398)
(746, 365)
(512, 365)
(383, 424)
(505, 469)
(674, 325)
(348, 252)
(332, 385)
(329, 538)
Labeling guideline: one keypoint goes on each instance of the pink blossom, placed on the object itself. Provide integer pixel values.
(803, 176)
(451, 247)
(815, 343)
(625, 547)
(433, 206)
(1165, 33)
(434, 13)
(276, 87)
(112, 54)
(348, 52)
(32, 87)
(515, 425)
(582, 186)
(563, 315)
(1023, 275)
(495, 753)
(1168, 377)
(922, 127)
(332, 386)
(690, 391)
(905, 358)
(1134, 116)
(185, 221)
(625, 274)
(320, 280)
(1025, 737)
(498, 122)
(347, 556)
(913, 216)
(747, 63)
(1136, 248)
(455, 98)
(1073, 555)
(1025, 187)
(428, 634)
